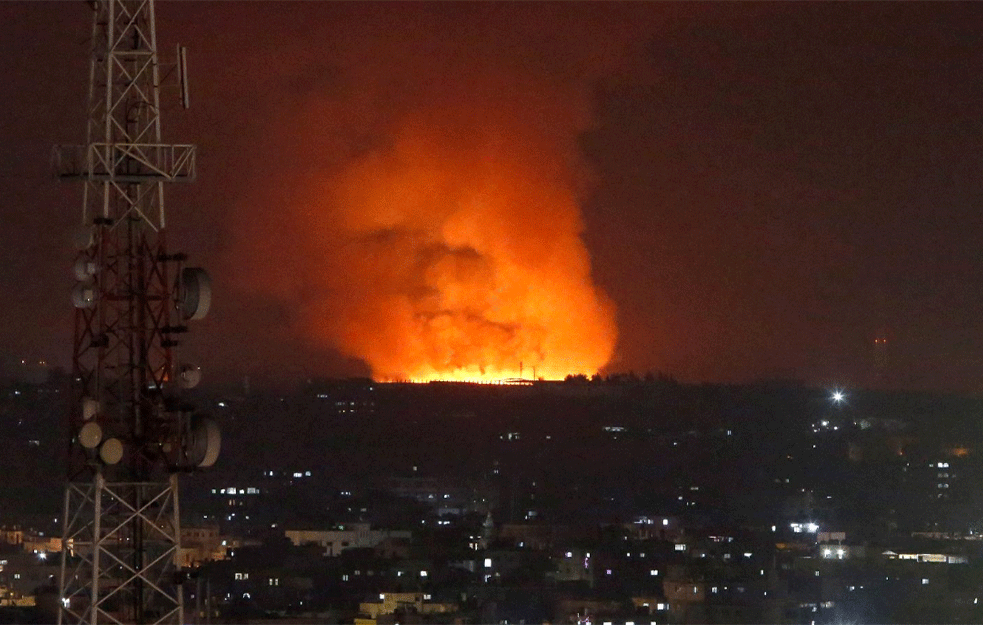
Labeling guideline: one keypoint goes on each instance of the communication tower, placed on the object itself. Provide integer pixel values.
(130, 434)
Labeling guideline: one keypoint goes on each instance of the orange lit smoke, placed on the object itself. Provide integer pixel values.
(461, 259)
(445, 243)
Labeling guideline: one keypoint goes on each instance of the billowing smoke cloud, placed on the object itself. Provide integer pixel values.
(429, 182)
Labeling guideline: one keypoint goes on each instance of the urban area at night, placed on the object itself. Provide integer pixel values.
(569, 313)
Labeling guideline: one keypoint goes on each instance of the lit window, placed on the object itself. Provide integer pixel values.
(924, 580)
(680, 547)
(654, 572)
(488, 563)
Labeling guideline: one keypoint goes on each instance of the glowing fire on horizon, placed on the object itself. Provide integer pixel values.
(464, 265)
(434, 232)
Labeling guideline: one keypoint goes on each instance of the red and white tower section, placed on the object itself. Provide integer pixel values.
(130, 433)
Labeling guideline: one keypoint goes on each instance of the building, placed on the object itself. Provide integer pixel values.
(350, 536)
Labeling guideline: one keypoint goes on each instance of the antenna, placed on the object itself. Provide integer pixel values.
(182, 56)
(130, 436)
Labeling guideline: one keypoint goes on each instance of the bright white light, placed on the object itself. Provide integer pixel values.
(838, 397)
(43, 555)
(812, 527)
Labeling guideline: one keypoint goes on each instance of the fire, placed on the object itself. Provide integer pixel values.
(426, 200)
(459, 262)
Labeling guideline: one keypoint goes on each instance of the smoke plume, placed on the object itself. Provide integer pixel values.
(428, 183)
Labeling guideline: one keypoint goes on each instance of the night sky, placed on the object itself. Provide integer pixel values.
(761, 191)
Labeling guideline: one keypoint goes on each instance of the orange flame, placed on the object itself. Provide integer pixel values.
(461, 262)
(434, 222)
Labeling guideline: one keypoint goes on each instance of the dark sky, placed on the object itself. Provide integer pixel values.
(766, 188)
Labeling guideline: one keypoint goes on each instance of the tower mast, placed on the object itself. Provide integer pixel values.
(129, 435)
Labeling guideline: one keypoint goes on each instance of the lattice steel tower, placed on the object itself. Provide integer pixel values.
(130, 435)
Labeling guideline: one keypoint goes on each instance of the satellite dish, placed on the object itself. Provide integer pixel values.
(111, 452)
(84, 295)
(189, 375)
(205, 443)
(85, 268)
(84, 238)
(90, 407)
(90, 435)
(197, 293)
(213, 446)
